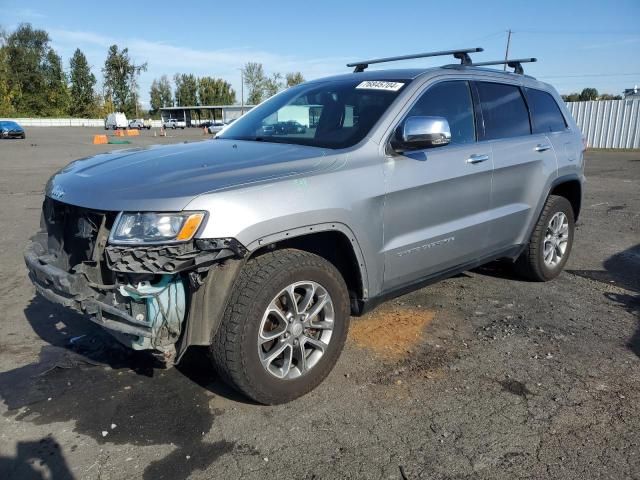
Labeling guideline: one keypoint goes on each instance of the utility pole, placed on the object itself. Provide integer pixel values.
(241, 92)
(506, 53)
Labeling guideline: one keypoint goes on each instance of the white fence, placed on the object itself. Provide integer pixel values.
(66, 122)
(608, 123)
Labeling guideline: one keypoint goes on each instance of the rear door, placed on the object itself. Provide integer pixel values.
(547, 119)
(522, 162)
(437, 198)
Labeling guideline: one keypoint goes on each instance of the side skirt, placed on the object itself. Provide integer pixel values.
(364, 306)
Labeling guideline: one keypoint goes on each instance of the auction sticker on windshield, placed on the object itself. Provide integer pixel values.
(380, 85)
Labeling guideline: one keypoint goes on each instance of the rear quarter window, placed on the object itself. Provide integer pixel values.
(504, 110)
(545, 113)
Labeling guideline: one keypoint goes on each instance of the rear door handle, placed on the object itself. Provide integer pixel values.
(475, 158)
(542, 147)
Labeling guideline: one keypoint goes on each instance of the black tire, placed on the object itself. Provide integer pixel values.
(234, 347)
(531, 264)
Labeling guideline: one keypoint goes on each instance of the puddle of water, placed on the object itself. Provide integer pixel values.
(391, 331)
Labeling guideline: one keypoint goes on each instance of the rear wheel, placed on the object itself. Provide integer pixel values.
(284, 328)
(550, 245)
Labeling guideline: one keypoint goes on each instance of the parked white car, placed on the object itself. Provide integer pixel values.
(216, 127)
(140, 123)
(115, 121)
(174, 123)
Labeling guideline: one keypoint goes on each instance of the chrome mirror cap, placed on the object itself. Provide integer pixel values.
(423, 132)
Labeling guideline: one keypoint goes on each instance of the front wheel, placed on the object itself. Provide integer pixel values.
(284, 327)
(550, 245)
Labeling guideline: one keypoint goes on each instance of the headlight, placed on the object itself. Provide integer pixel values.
(135, 228)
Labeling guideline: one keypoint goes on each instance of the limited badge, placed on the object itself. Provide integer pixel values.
(380, 85)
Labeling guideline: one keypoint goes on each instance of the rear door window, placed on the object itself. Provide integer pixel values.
(504, 110)
(451, 100)
(545, 113)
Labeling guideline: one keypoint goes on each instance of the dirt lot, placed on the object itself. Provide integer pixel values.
(479, 376)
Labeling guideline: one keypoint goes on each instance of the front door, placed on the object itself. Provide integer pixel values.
(435, 213)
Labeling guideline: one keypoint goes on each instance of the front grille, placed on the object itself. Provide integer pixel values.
(72, 231)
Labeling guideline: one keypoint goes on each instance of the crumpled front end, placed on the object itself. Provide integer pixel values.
(140, 294)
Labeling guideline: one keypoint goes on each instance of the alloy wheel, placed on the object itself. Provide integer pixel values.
(296, 329)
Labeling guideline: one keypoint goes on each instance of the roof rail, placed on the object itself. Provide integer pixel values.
(461, 54)
(515, 63)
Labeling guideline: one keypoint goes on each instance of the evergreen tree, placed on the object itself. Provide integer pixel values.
(56, 86)
(83, 96)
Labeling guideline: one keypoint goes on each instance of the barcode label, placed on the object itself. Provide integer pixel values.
(380, 85)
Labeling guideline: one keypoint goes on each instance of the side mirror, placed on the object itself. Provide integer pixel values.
(416, 133)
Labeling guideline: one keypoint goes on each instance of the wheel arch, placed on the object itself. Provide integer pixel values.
(571, 189)
(333, 241)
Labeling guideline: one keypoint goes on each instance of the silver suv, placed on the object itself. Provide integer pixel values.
(261, 246)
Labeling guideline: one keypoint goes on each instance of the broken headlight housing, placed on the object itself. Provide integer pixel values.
(154, 228)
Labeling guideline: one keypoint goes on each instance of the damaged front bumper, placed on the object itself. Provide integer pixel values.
(142, 295)
(74, 290)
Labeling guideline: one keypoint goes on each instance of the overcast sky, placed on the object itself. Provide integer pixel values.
(578, 43)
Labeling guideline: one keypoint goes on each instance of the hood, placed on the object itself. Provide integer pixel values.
(167, 178)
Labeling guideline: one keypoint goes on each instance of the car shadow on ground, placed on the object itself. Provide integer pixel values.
(622, 270)
(113, 394)
(36, 460)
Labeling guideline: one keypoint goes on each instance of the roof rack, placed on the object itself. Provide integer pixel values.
(461, 54)
(515, 63)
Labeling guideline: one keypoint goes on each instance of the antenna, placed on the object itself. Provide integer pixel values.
(461, 54)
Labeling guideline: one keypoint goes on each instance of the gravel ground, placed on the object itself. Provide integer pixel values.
(478, 376)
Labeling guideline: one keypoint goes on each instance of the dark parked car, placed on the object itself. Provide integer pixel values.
(10, 129)
(290, 126)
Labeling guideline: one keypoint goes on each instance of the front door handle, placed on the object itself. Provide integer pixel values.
(475, 158)
(541, 147)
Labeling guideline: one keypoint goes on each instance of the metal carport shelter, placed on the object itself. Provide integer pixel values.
(195, 115)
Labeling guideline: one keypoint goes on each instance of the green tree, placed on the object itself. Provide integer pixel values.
(26, 60)
(608, 96)
(120, 80)
(83, 97)
(294, 78)
(160, 94)
(6, 104)
(272, 85)
(254, 79)
(56, 85)
(588, 94)
(186, 92)
(215, 91)
(572, 97)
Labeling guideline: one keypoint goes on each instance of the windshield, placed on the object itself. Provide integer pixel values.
(332, 114)
(9, 125)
